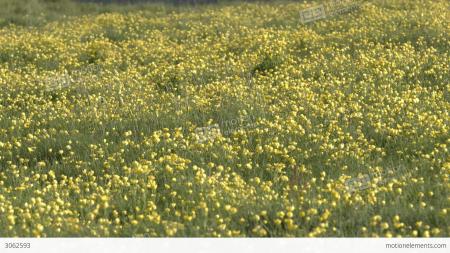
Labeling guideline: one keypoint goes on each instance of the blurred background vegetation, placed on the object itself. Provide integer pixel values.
(38, 12)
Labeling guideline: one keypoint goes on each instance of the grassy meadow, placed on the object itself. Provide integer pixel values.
(224, 120)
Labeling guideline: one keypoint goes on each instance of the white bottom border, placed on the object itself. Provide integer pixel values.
(234, 245)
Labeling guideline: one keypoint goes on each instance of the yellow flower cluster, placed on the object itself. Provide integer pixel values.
(113, 152)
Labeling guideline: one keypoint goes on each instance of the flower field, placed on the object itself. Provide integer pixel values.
(230, 120)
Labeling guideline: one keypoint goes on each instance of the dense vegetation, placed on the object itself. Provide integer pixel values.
(224, 120)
